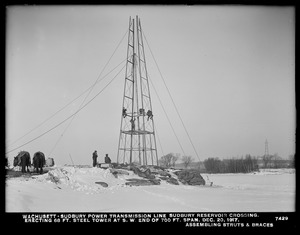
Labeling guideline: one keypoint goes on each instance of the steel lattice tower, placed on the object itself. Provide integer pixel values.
(266, 149)
(137, 141)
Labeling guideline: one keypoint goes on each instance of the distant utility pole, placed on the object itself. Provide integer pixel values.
(266, 157)
(137, 142)
(266, 148)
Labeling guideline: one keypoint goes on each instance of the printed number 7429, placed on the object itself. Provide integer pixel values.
(281, 218)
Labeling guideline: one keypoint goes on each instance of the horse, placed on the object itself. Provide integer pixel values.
(23, 160)
(39, 162)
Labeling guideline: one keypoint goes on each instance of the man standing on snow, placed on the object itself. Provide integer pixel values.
(95, 155)
(107, 159)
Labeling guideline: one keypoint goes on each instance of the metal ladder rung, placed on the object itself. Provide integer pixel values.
(128, 97)
(129, 79)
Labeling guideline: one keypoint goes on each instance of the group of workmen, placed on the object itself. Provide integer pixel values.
(142, 112)
(95, 156)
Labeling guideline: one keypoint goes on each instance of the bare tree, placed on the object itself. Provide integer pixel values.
(187, 160)
(167, 160)
(175, 158)
(266, 160)
(292, 160)
(277, 161)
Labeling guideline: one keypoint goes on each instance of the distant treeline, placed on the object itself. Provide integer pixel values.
(240, 165)
(232, 165)
(247, 164)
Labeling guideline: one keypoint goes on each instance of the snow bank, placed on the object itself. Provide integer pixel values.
(83, 179)
(279, 171)
(272, 180)
(73, 189)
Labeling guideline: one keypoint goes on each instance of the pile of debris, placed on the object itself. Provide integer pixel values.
(153, 175)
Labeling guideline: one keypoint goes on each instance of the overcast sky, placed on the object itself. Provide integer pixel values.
(230, 71)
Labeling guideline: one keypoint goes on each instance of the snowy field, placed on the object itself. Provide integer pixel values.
(73, 189)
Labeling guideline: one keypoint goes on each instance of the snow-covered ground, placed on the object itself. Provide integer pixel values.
(73, 189)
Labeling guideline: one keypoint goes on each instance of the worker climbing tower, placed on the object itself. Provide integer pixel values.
(137, 142)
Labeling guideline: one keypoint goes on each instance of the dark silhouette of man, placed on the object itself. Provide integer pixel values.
(132, 124)
(149, 114)
(107, 159)
(124, 112)
(95, 155)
